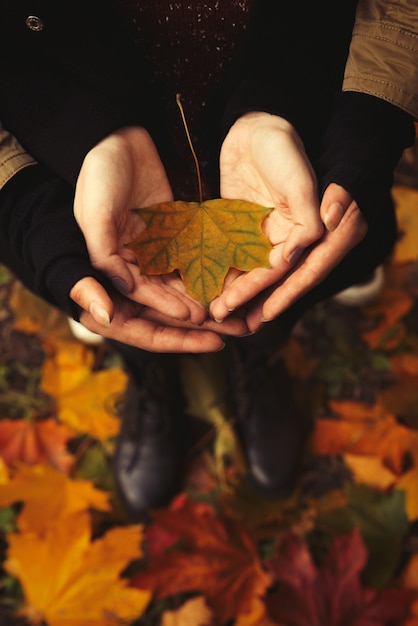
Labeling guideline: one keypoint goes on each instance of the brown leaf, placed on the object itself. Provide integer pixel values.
(202, 241)
(215, 557)
(33, 442)
(332, 594)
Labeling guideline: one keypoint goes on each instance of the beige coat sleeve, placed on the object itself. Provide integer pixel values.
(12, 156)
(383, 57)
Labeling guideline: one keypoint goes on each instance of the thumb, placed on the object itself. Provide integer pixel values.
(90, 296)
(334, 204)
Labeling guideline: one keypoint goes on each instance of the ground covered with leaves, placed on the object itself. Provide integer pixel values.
(341, 550)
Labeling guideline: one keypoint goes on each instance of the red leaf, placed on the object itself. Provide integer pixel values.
(331, 595)
(213, 556)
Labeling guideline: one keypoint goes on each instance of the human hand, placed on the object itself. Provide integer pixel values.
(263, 161)
(123, 172)
(316, 263)
(142, 327)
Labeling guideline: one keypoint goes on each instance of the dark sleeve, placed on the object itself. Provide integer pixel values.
(291, 63)
(71, 83)
(362, 146)
(57, 119)
(40, 241)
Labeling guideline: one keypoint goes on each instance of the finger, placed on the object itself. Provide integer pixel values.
(153, 292)
(235, 325)
(317, 264)
(151, 335)
(90, 296)
(247, 285)
(335, 202)
(307, 224)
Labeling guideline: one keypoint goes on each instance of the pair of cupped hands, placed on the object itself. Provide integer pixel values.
(263, 161)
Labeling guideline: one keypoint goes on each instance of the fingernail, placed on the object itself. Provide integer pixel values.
(121, 285)
(99, 314)
(333, 216)
(294, 255)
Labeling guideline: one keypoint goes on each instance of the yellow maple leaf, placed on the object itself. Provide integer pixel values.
(49, 495)
(406, 201)
(85, 399)
(370, 470)
(68, 580)
(202, 240)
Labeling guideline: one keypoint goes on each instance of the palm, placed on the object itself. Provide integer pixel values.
(263, 161)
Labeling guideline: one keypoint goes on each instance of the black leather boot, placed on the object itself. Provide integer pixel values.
(151, 447)
(270, 426)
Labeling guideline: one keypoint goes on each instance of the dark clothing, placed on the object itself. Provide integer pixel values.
(71, 78)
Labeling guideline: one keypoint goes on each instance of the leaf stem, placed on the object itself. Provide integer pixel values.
(189, 139)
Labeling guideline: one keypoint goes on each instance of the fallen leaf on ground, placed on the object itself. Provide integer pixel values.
(331, 594)
(406, 201)
(389, 309)
(49, 495)
(67, 579)
(409, 580)
(215, 557)
(370, 470)
(194, 612)
(33, 442)
(35, 316)
(408, 482)
(202, 241)
(85, 399)
(365, 430)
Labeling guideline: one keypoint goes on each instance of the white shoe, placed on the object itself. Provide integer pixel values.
(83, 334)
(364, 293)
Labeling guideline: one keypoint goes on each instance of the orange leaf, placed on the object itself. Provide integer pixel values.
(202, 241)
(49, 495)
(377, 434)
(33, 442)
(332, 594)
(405, 365)
(217, 559)
(390, 308)
(85, 398)
(66, 579)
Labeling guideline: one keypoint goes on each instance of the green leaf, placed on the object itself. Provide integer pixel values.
(383, 523)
